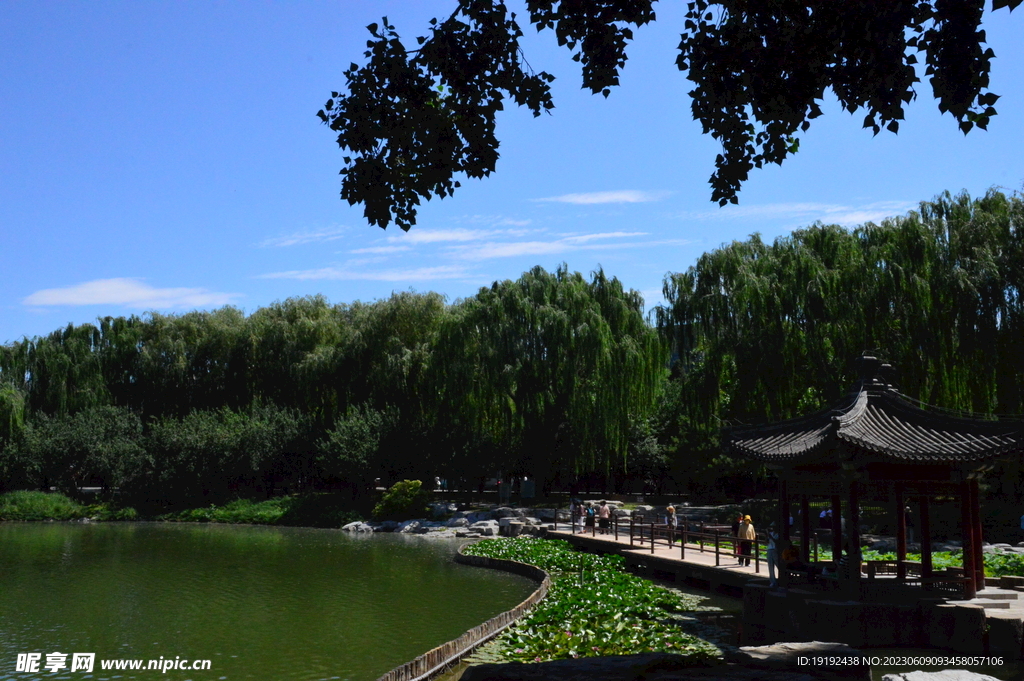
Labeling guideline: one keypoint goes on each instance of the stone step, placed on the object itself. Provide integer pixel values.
(996, 595)
(989, 604)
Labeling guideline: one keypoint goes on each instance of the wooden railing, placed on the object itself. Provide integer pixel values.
(446, 654)
(717, 538)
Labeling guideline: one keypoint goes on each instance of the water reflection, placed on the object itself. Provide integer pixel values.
(261, 603)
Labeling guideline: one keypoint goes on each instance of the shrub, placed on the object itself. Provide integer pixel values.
(29, 505)
(405, 499)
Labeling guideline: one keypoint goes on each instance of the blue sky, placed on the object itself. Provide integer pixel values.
(166, 156)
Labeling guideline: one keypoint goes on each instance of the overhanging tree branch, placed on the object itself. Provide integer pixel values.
(413, 120)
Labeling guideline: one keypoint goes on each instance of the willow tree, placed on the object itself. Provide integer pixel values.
(769, 331)
(552, 369)
(294, 349)
(12, 413)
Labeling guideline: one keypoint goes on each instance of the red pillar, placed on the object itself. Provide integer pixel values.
(926, 539)
(979, 556)
(967, 534)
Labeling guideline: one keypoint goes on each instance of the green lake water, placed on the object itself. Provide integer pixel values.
(259, 602)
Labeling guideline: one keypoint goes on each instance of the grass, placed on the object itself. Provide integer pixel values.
(594, 608)
(28, 505)
(311, 510)
(34, 505)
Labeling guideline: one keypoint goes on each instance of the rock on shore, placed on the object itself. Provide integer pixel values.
(462, 524)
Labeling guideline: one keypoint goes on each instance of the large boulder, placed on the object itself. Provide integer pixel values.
(544, 513)
(458, 522)
(438, 510)
(476, 516)
(793, 656)
(358, 526)
(410, 526)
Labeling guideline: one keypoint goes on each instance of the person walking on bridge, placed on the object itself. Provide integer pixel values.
(747, 536)
(773, 555)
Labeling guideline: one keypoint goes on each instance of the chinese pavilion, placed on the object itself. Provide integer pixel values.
(879, 443)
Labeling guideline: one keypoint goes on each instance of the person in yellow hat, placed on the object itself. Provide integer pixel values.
(747, 537)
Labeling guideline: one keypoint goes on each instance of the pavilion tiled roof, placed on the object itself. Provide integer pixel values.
(879, 420)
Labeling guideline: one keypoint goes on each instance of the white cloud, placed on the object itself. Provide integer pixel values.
(826, 212)
(430, 236)
(564, 244)
(340, 274)
(621, 196)
(513, 249)
(130, 293)
(492, 220)
(583, 238)
(304, 237)
(381, 249)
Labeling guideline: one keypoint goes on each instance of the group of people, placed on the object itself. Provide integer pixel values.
(743, 530)
(745, 533)
(587, 515)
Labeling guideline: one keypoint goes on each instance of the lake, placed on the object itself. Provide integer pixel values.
(258, 602)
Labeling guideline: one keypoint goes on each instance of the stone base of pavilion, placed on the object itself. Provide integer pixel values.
(992, 624)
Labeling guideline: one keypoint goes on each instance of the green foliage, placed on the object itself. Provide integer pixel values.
(300, 510)
(238, 511)
(319, 510)
(553, 367)
(28, 505)
(996, 564)
(594, 608)
(769, 331)
(349, 448)
(411, 120)
(403, 500)
(999, 564)
(207, 454)
(193, 409)
(12, 413)
(99, 446)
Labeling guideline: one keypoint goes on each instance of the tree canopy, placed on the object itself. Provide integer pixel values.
(554, 375)
(412, 120)
(536, 377)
